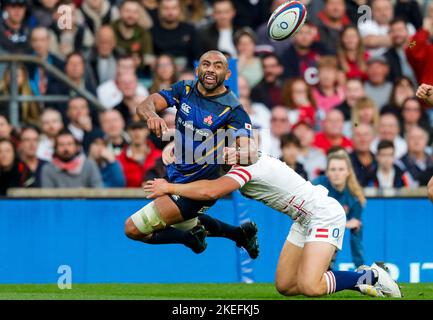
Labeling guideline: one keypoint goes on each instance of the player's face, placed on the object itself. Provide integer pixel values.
(212, 71)
(337, 172)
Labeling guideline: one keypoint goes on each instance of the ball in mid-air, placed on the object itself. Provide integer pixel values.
(286, 20)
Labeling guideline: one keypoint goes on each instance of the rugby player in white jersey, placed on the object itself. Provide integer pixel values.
(317, 231)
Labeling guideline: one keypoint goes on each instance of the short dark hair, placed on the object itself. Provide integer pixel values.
(290, 139)
(398, 20)
(65, 132)
(385, 144)
(30, 127)
(219, 1)
(74, 53)
(271, 55)
(126, 1)
(136, 125)
(335, 149)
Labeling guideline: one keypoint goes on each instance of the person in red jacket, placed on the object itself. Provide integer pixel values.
(141, 160)
(332, 134)
(420, 53)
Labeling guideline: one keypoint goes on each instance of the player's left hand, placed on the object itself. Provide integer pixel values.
(156, 188)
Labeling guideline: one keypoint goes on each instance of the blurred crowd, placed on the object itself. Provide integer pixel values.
(347, 79)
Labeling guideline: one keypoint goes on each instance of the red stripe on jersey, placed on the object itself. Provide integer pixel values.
(246, 172)
(321, 236)
(238, 174)
(322, 230)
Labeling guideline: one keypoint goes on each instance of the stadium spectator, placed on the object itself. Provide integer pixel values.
(280, 125)
(351, 54)
(416, 161)
(298, 98)
(402, 89)
(6, 129)
(300, 59)
(389, 129)
(164, 73)
(377, 87)
(363, 160)
(260, 115)
(365, 112)
(332, 134)
(171, 36)
(113, 126)
(76, 71)
(375, 32)
(29, 112)
(388, 174)
(141, 160)
(413, 115)
(80, 122)
(9, 174)
(52, 124)
(30, 166)
(343, 186)
(251, 13)
(151, 7)
(39, 78)
(70, 168)
(103, 56)
(194, 11)
(219, 34)
(328, 94)
(312, 158)
(354, 91)
(396, 55)
(266, 44)
(97, 13)
(352, 7)
(44, 12)
(268, 90)
(109, 93)
(14, 31)
(420, 52)
(127, 84)
(290, 147)
(131, 36)
(331, 21)
(249, 65)
(73, 38)
(410, 11)
(109, 167)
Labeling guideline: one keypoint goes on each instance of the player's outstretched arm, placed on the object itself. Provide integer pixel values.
(147, 111)
(197, 190)
(430, 189)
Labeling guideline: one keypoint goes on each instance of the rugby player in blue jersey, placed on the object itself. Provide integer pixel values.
(204, 108)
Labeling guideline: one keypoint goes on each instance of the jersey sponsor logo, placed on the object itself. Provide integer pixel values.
(185, 108)
(208, 120)
(322, 233)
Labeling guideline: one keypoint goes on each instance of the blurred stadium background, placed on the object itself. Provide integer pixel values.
(114, 53)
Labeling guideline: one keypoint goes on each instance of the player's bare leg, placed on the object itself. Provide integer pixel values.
(286, 277)
(160, 222)
(316, 257)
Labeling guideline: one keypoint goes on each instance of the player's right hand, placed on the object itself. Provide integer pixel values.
(156, 188)
(157, 125)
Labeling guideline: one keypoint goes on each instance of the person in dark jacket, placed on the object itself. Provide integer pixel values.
(9, 173)
(290, 148)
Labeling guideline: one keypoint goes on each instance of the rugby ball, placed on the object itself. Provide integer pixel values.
(286, 20)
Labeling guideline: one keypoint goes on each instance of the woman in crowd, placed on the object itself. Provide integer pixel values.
(365, 111)
(164, 73)
(403, 89)
(9, 173)
(249, 65)
(340, 180)
(29, 112)
(351, 54)
(412, 115)
(298, 97)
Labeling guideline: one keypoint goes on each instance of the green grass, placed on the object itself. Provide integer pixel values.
(258, 291)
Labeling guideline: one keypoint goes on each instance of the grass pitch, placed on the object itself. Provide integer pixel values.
(235, 291)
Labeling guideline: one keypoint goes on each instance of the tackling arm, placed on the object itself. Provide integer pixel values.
(197, 190)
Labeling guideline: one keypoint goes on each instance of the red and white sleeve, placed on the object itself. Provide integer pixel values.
(240, 174)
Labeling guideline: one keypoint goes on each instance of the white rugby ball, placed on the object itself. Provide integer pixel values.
(286, 20)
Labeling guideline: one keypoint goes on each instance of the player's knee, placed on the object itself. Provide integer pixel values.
(310, 288)
(286, 289)
(131, 230)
